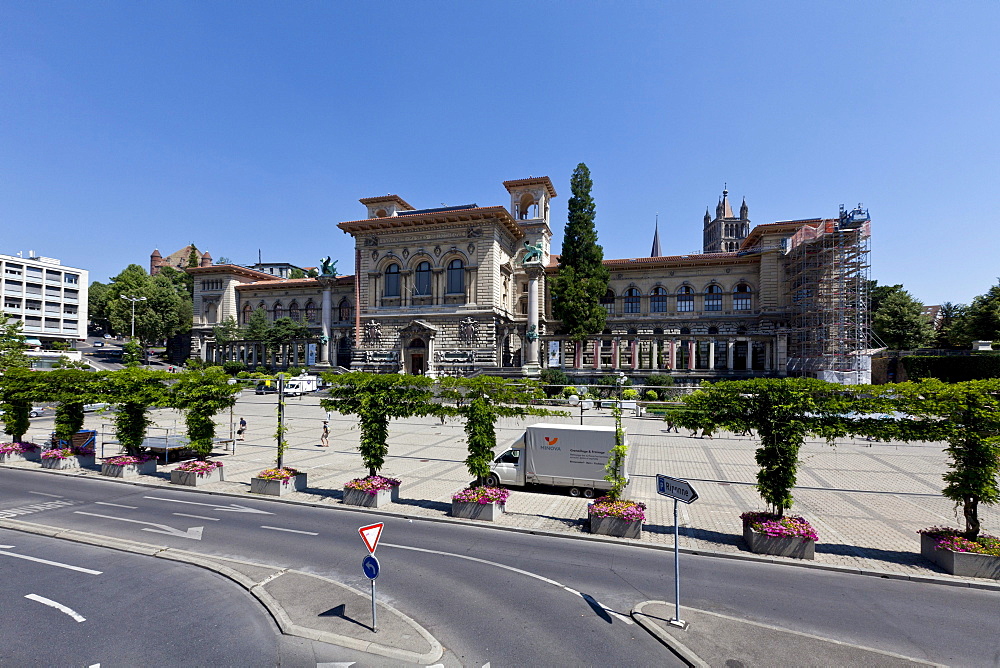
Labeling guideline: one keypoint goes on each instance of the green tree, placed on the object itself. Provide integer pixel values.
(227, 331)
(164, 312)
(19, 388)
(132, 354)
(482, 400)
(877, 294)
(193, 259)
(376, 399)
(900, 322)
(981, 320)
(12, 346)
(201, 395)
(134, 391)
(967, 416)
(72, 388)
(98, 296)
(582, 279)
(782, 411)
(285, 329)
(951, 316)
(258, 326)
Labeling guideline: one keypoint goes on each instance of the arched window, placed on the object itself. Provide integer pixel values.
(685, 298)
(632, 303)
(346, 311)
(293, 311)
(422, 284)
(277, 311)
(456, 277)
(392, 280)
(685, 331)
(247, 311)
(713, 298)
(713, 330)
(608, 302)
(310, 311)
(741, 297)
(658, 300)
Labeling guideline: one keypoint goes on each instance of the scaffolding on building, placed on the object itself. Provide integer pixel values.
(827, 272)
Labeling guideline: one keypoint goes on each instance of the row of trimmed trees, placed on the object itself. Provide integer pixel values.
(201, 394)
(783, 412)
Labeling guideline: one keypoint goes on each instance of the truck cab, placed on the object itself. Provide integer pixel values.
(508, 467)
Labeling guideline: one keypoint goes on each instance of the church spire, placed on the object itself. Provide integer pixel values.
(655, 252)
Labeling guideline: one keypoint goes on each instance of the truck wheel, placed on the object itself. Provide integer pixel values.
(574, 491)
(588, 493)
(493, 480)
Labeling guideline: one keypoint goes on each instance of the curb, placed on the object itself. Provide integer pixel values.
(285, 624)
(671, 643)
(886, 575)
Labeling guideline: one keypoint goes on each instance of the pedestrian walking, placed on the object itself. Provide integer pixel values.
(240, 433)
(324, 439)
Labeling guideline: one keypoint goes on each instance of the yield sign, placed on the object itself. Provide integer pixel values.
(370, 534)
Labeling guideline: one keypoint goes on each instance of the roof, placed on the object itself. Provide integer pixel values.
(460, 207)
(784, 226)
(666, 260)
(286, 283)
(386, 198)
(535, 180)
(431, 217)
(231, 269)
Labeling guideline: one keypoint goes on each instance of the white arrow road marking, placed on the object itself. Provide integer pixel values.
(116, 505)
(586, 597)
(231, 508)
(58, 606)
(5, 547)
(194, 533)
(197, 517)
(308, 533)
(46, 561)
(54, 496)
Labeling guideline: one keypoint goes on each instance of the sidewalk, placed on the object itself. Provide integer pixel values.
(866, 500)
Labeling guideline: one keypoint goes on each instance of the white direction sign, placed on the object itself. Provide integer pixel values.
(675, 488)
(370, 534)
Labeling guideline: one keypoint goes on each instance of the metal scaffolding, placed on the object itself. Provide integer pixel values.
(827, 272)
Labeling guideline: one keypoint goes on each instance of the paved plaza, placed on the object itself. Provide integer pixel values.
(866, 500)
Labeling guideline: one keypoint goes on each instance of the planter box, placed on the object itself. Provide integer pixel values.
(488, 512)
(962, 564)
(779, 546)
(356, 497)
(74, 462)
(192, 479)
(128, 470)
(615, 526)
(11, 457)
(278, 487)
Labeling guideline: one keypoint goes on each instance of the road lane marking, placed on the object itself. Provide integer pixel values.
(585, 597)
(231, 508)
(54, 496)
(308, 533)
(58, 606)
(50, 563)
(116, 505)
(11, 513)
(197, 517)
(194, 533)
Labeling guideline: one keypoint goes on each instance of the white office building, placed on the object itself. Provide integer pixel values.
(48, 297)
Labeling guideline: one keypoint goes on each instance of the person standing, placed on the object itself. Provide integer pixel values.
(241, 432)
(324, 439)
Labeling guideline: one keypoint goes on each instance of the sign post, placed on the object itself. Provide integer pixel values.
(370, 535)
(678, 490)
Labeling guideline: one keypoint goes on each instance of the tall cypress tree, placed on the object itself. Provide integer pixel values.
(582, 280)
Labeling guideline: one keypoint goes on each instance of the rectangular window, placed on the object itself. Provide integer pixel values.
(741, 302)
(713, 302)
(72, 279)
(685, 303)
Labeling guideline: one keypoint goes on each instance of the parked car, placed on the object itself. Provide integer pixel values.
(107, 336)
(90, 408)
(97, 344)
(263, 388)
(37, 411)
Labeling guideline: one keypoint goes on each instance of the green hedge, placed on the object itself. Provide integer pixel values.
(952, 368)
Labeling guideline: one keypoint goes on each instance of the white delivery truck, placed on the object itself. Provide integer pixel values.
(301, 385)
(562, 455)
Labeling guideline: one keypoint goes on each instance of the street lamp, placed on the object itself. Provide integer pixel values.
(133, 300)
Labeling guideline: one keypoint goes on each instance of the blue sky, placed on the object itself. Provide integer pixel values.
(239, 126)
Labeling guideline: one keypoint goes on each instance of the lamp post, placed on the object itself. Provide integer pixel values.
(133, 300)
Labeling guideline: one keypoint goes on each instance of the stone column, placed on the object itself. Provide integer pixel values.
(767, 355)
(597, 354)
(325, 324)
(578, 354)
(692, 357)
(672, 354)
(730, 353)
(635, 354)
(531, 364)
(654, 354)
(614, 354)
(711, 354)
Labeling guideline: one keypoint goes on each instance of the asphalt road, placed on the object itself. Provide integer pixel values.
(513, 598)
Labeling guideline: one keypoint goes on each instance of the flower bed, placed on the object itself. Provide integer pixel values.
(946, 547)
(480, 503)
(621, 518)
(197, 472)
(67, 458)
(788, 536)
(129, 466)
(20, 451)
(372, 491)
(277, 482)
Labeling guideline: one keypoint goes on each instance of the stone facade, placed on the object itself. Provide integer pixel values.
(446, 291)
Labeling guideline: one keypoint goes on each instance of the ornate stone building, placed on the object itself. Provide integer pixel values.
(448, 291)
